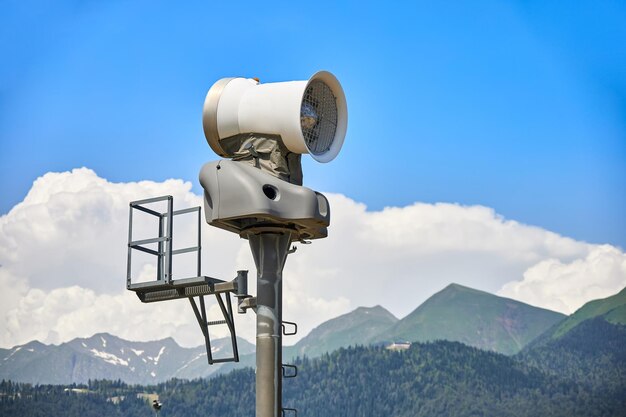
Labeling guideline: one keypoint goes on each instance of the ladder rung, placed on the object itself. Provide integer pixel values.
(295, 371)
(223, 360)
(285, 332)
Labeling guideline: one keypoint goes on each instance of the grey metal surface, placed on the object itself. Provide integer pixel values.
(270, 252)
(246, 303)
(245, 200)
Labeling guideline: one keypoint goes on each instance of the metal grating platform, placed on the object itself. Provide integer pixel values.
(184, 288)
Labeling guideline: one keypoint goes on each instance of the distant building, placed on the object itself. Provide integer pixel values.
(398, 346)
(78, 390)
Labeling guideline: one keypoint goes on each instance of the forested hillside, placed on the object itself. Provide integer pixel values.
(441, 378)
(592, 354)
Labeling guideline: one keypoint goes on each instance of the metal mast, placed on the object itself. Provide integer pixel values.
(270, 252)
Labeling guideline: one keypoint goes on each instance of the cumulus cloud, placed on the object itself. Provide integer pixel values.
(64, 313)
(398, 257)
(565, 286)
(63, 256)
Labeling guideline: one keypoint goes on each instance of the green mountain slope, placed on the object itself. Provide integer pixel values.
(475, 318)
(611, 309)
(359, 327)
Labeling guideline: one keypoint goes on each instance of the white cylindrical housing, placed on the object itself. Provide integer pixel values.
(310, 116)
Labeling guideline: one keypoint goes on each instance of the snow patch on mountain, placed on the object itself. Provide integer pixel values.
(189, 363)
(109, 357)
(17, 349)
(157, 357)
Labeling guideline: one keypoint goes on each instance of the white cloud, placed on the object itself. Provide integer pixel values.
(64, 313)
(63, 255)
(13, 289)
(565, 286)
(397, 257)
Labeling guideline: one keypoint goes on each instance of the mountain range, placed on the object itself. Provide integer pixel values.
(456, 313)
(575, 368)
(104, 356)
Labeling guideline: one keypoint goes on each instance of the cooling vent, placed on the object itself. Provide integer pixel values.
(318, 117)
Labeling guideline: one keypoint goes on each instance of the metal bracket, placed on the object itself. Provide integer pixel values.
(291, 410)
(246, 303)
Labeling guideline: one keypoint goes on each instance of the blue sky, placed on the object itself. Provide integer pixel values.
(515, 105)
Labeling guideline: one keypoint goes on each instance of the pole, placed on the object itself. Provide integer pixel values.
(270, 252)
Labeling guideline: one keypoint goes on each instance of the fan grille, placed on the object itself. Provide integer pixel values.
(319, 97)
